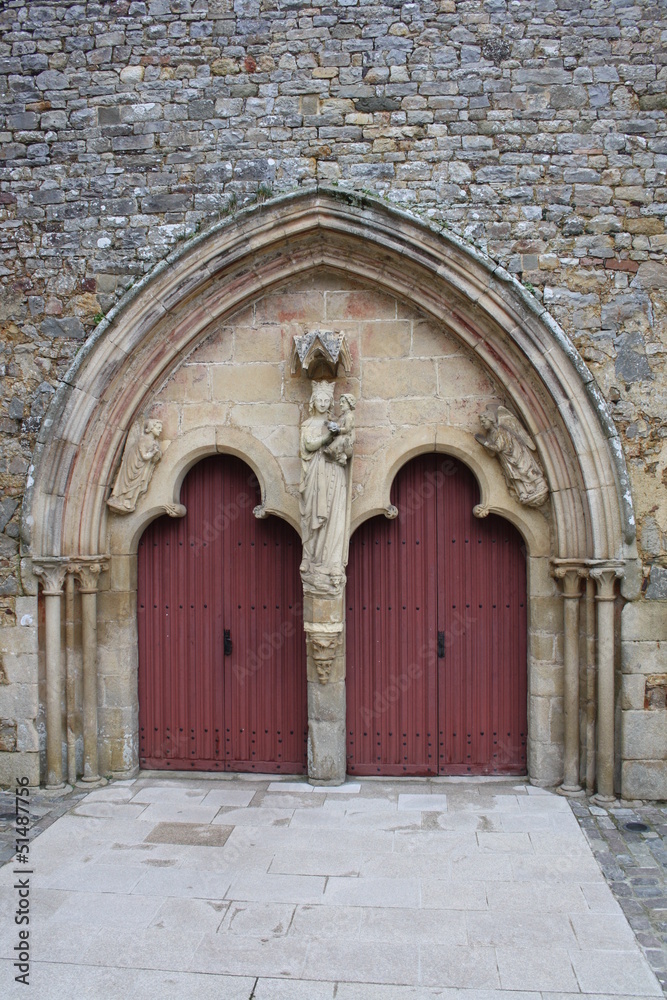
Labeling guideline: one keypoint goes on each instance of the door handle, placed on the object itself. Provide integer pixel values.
(228, 642)
(441, 645)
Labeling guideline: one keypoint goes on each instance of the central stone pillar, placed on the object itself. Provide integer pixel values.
(325, 642)
(326, 445)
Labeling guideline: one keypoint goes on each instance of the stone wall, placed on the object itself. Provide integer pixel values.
(535, 131)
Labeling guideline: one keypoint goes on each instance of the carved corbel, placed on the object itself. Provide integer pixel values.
(323, 641)
(175, 509)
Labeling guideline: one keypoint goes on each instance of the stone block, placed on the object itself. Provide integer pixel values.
(19, 765)
(19, 701)
(545, 679)
(19, 639)
(459, 376)
(644, 620)
(389, 379)
(70, 327)
(657, 588)
(429, 340)
(190, 382)
(116, 660)
(267, 417)
(326, 752)
(292, 307)
(7, 736)
(385, 339)
(123, 573)
(19, 668)
(633, 689)
(194, 415)
(264, 343)
(216, 348)
(644, 657)
(546, 615)
(116, 605)
(361, 304)
(411, 412)
(644, 735)
(246, 383)
(645, 779)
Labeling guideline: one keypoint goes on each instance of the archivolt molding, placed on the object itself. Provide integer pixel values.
(165, 316)
(533, 525)
(178, 458)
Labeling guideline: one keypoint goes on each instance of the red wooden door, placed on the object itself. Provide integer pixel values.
(436, 633)
(222, 657)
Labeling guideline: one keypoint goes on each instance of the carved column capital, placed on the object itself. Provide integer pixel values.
(51, 571)
(87, 569)
(605, 575)
(570, 572)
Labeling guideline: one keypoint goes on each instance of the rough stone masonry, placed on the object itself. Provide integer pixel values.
(535, 131)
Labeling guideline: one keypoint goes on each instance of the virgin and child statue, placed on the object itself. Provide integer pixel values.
(326, 446)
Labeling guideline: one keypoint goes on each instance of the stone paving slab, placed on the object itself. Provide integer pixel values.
(404, 890)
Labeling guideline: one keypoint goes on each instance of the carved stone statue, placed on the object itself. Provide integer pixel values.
(141, 455)
(324, 492)
(506, 438)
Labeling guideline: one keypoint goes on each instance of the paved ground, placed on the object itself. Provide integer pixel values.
(635, 865)
(390, 890)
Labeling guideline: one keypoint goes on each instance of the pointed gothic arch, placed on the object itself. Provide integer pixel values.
(588, 523)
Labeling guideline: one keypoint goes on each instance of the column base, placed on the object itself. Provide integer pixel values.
(604, 800)
(93, 782)
(571, 791)
(53, 789)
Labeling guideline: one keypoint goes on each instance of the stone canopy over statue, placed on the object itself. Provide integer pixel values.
(326, 446)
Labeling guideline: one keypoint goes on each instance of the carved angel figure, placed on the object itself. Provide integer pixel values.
(141, 455)
(324, 500)
(342, 446)
(506, 438)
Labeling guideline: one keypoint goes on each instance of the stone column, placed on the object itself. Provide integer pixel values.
(325, 641)
(87, 573)
(605, 576)
(52, 574)
(70, 680)
(570, 574)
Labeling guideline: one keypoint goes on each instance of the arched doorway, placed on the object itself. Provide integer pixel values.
(436, 633)
(222, 661)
